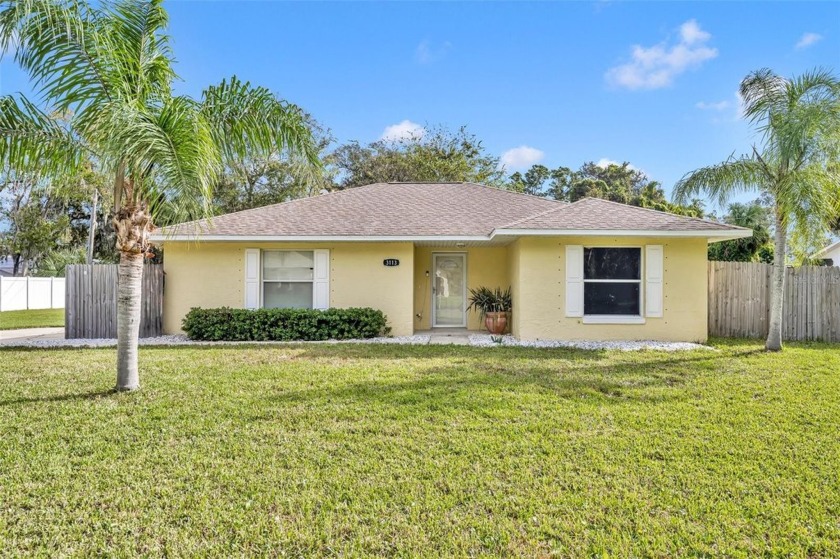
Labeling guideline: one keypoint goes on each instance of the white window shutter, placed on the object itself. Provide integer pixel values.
(321, 283)
(654, 265)
(252, 278)
(574, 280)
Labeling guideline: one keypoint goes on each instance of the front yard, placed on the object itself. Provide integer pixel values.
(329, 450)
(36, 318)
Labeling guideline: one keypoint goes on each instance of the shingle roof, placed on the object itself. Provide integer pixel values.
(595, 213)
(382, 209)
(432, 210)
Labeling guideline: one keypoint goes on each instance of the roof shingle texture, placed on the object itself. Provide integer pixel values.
(433, 209)
(382, 209)
(595, 213)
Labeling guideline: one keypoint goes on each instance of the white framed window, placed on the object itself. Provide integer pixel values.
(614, 285)
(288, 278)
(297, 279)
(612, 281)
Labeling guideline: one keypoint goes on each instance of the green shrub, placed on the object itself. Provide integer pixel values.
(283, 325)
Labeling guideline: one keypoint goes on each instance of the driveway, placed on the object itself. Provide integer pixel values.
(13, 337)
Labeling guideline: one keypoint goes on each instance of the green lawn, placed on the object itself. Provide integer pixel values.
(353, 450)
(40, 318)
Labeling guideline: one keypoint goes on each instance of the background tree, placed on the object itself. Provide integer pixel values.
(795, 167)
(109, 66)
(757, 248)
(618, 183)
(434, 155)
(259, 180)
(33, 220)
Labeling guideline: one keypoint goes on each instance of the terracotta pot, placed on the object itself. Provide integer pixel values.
(496, 322)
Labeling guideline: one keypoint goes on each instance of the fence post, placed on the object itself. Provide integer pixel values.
(27, 292)
(1, 293)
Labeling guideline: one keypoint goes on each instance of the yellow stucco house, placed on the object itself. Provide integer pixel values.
(589, 270)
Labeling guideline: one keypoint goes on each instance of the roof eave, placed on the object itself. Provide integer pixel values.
(827, 249)
(712, 236)
(162, 238)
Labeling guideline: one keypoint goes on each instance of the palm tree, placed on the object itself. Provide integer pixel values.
(103, 72)
(796, 167)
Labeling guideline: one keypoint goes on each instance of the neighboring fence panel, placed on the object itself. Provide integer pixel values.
(18, 294)
(91, 310)
(739, 301)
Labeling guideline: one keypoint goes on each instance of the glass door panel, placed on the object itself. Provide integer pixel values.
(449, 288)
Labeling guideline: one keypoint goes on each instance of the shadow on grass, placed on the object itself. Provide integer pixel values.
(482, 388)
(59, 398)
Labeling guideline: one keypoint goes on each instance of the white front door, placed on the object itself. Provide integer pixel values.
(449, 290)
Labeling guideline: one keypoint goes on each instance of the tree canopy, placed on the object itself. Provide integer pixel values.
(433, 155)
(616, 182)
(758, 248)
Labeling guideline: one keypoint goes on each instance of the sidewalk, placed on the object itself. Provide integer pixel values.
(30, 334)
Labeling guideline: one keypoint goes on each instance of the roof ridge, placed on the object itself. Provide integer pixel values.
(552, 210)
(659, 212)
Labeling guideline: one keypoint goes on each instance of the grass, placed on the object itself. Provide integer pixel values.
(430, 451)
(36, 318)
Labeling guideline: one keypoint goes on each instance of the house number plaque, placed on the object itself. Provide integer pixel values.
(391, 262)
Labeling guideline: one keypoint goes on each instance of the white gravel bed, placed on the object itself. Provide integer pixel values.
(182, 340)
(481, 340)
(486, 340)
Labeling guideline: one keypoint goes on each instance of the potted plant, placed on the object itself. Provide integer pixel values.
(493, 306)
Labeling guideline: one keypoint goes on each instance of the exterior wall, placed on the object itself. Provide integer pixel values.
(833, 255)
(486, 266)
(212, 275)
(538, 272)
(516, 294)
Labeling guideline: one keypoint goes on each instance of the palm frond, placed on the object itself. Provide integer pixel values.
(60, 46)
(810, 196)
(249, 120)
(139, 52)
(762, 92)
(168, 151)
(32, 142)
(723, 180)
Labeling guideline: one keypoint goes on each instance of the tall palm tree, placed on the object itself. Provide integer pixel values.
(103, 73)
(796, 166)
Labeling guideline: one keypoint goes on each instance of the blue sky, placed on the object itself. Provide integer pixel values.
(652, 83)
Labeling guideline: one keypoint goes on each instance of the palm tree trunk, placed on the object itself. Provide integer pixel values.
(774, 336)
(92, 226)
(129, 294)
(133, 227)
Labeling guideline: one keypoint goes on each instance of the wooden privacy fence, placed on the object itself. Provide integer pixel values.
(91, 307)
(739, 301)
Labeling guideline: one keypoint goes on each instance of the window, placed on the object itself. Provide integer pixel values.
(612, 280)
(287, 279)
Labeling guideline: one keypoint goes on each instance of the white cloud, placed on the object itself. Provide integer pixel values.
(604, 163)
(521, 157)
(405, 130)
(808, 39)
(657, 66)
(426, 52)
(691, 33)
(718, 106)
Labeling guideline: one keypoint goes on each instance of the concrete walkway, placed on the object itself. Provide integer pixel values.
(447, 336)
(23, 335)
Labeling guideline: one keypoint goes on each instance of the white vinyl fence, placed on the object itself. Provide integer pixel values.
(18, 294)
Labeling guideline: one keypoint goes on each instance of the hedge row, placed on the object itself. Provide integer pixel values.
(283, 325)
